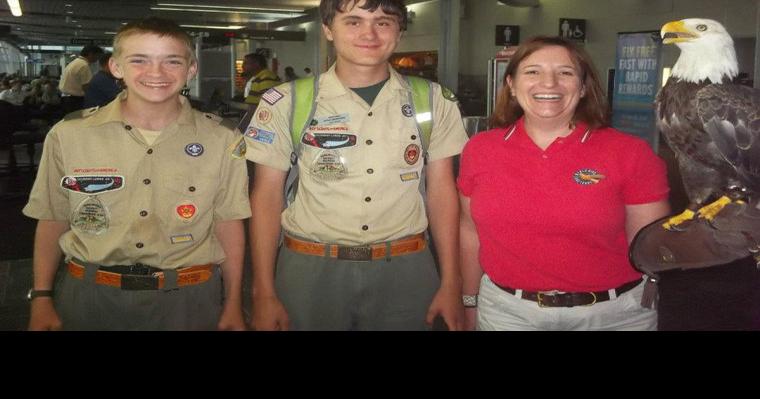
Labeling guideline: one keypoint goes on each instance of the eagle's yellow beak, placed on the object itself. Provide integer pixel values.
(675, 32)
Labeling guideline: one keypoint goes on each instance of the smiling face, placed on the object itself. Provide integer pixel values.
(363, 38)
(154, 68)
(547, 85)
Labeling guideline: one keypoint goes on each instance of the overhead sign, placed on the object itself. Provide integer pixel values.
(573, 29)
(85, 42)
(507, 35)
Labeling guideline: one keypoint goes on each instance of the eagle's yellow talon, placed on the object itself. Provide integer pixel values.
(687, 214)
(710, 210)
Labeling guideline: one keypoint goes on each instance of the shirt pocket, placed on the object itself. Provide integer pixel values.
(186, 202)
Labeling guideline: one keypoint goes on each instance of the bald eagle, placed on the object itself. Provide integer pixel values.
(711, 124)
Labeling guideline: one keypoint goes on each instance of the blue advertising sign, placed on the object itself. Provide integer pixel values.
(637, 80)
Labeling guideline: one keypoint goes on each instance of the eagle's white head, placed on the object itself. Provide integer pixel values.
(707, 50)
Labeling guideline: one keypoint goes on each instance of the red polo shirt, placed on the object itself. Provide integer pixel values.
(555, 218)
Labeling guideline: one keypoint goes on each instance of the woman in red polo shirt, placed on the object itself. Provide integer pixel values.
(551, 199)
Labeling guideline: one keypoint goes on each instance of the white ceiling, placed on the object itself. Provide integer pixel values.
(53, 22)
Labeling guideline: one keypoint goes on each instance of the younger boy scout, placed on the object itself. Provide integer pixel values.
(354, 255)
(144, 199)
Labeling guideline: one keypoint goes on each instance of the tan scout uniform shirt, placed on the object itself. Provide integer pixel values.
(75, 75)
(128, 202)
(362, 185)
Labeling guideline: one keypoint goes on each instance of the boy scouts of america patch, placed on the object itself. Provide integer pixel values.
(92, 184)
(260, 135)
(272, 96)
(406, 110)
(412, 154)
(587, 176)
(186, 211)
(90, 216)
(194, 149)
(264, 115)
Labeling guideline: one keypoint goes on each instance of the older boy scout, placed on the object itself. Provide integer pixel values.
(144, 198)
(354, 255)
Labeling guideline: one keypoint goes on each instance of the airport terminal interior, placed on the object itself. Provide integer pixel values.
(463, 44)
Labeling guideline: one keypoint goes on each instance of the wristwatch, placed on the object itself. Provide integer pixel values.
(470, 301)
(38, 293)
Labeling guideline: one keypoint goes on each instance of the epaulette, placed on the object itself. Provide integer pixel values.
(213, 117)
(82, 113)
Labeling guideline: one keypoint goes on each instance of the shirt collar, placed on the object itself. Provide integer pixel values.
(112, 112)
(330, 86)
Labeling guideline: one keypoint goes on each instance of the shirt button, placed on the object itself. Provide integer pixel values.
(368, 199)
(192, 189)
(146, 181)
(368, 142)
(414, 137)
(127, 127)
(365, 227)
(143, 213)
(150, 151)
(369, 114)
(370, 171)
(139, 245)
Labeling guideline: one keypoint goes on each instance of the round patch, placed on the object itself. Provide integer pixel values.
(90, 216)
(264, 115)
(412, 154)
(186, 210)
(194, 149)
(406, 109)
(313, 122)
(587, 176)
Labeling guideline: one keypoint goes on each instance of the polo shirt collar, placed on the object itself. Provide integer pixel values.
(516, 132)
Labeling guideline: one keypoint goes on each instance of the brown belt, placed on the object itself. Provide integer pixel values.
(190, 275)
(570, 299)
(403, 246)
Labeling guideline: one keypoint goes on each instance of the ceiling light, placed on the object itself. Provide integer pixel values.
(287, 14)
(233, 7)
(15, 8)
(229, 27)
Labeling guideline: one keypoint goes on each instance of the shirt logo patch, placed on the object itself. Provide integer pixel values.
(264, 115)
(329, 140)
(587, 176)
(194, 149)
(272, 96)
(186, 211)
(412, 154)
(406, 109)
(260, 135)
(92, 184)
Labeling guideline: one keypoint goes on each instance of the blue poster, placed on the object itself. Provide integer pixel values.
(637, 80)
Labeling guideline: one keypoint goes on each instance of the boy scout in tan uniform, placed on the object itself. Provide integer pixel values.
(354, 255)
(144, 210)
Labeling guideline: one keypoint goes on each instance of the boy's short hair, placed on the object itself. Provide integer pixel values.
(103, 60)
(328, 9)
(90, 49)
(157, 26)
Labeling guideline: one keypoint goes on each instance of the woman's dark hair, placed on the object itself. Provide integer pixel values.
(592, 107)
(328, 9)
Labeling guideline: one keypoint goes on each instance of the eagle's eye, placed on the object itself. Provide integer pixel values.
(701, 27)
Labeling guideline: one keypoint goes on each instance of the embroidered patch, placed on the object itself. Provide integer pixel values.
(264, 115)
(412, 154)
(331, 120)
(327, 129)
(260, 135)
(447, 94)
(239, 148)
(92, 184)
(181, 238)
(194, 149)
(272, 96)
(407, 111)
(90, 216)
(186, 211)
(409, 176)
(587, 176)
(329, 140)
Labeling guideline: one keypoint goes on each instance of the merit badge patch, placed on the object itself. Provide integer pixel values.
(92, 184)
(264, 115)
(181, 238)
(186, 211)
(194, 149)
(406, 110)
(587, 176)
(260, 135)
(272, 96)
(412, 154)
(90, 217)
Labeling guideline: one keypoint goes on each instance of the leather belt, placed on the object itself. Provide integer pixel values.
(403, 246)
(555, 299)
(143, 277)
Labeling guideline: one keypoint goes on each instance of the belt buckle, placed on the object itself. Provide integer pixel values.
(541, 294)
(138, 283)
(592, 302)
(360, 253)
